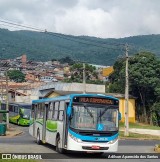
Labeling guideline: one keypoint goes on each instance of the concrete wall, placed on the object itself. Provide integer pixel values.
(131, 105)
(26, 99)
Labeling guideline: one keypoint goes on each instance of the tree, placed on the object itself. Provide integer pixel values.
(16, 75)
(77, 74)
(67, 59)
(144, 79)
(117, 78)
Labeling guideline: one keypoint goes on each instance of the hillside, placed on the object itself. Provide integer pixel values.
(48, 46)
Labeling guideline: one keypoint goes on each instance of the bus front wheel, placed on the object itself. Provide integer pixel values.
(58, 149)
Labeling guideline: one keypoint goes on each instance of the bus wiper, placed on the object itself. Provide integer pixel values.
(101, 114)
(91, 115)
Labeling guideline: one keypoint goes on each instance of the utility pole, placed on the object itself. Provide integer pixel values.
(7, 100)
(126, 132)
(84, 78)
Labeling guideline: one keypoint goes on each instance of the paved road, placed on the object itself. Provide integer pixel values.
(26, 144)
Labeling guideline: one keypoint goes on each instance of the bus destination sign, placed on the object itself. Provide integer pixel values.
(95, 100)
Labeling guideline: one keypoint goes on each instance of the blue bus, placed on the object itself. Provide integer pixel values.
(77, 122)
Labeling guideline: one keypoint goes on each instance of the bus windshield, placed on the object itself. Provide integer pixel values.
(94, 117)
(25, 113)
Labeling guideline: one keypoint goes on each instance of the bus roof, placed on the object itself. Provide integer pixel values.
(68, 97)
(18, 103)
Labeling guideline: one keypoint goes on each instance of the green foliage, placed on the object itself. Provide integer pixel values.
(66, 59)
(77, 74)
(63, 60)
(117, 78)
(16, 75)
(156, 113)
(144, 81)
(43, 47)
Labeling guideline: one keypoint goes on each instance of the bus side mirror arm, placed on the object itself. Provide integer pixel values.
(119, 116)
(69, 111)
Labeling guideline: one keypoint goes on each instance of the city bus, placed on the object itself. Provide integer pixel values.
(19, 113)
(76, 122)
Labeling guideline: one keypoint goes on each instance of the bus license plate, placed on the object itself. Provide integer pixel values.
(95, 147)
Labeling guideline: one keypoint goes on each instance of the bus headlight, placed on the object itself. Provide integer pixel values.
(113, 141)
(75, 139)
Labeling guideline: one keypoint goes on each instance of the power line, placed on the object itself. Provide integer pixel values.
(85, 43)
(24, 26)
(67, 37)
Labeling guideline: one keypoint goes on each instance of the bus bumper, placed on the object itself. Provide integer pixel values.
(91, 146)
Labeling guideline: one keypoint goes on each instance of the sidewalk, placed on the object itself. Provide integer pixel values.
(12, 132)
(143, 131)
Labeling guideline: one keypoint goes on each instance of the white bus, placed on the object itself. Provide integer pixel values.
(77, 122)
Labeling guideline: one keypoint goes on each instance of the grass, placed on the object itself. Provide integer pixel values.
(140, 125)
(138, 136)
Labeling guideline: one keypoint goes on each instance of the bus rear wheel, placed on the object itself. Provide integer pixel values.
(58, 149)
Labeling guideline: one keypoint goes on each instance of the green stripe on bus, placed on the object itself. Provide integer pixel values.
(50, 125)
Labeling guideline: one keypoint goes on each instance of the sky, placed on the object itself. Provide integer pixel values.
(98, 18)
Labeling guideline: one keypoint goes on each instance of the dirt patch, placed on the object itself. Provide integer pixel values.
(11, 132)
(157, 148)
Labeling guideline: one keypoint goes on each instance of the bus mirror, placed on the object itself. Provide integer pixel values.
(119, 116)
(69, 111)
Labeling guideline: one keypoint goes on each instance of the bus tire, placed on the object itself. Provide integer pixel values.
(38, 138)
(58, 149)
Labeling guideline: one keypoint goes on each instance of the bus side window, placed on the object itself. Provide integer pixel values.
(32, 113)
(38, 111)
(61, 115)
(11, 108)
(16, 110)
(55, 116)
(41, 110)
(61, 110)
(33, 108)
(50, 111)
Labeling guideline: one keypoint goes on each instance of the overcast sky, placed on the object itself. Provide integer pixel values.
(100, 18)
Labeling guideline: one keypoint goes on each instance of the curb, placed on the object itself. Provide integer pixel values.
(157, 148)
(138, 139)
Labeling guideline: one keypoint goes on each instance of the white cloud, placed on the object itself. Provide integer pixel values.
(100, 18)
